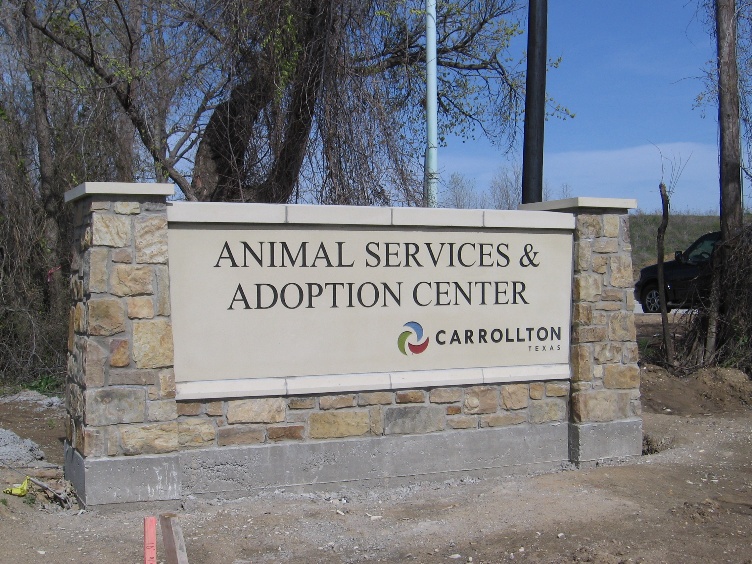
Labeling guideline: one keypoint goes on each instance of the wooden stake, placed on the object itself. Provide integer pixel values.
(172, 537)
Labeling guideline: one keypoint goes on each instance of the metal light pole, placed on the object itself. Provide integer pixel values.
(535, 103)
(431, 166)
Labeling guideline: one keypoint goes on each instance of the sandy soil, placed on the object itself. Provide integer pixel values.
(689, 501)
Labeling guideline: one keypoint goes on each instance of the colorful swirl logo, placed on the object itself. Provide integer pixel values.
(417, 330)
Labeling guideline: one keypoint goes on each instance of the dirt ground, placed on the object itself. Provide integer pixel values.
(688, 501)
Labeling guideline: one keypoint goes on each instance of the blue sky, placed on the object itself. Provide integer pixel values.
(630, 72)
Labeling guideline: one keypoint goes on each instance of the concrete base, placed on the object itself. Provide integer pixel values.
(233, 472)
(591, 442)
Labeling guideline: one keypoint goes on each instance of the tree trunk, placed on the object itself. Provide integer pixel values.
(668, 341)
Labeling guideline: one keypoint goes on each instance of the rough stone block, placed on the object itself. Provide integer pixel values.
(286, 432)
(503, 419)
(413, 419)
(120, 353)
(132, 377)
(151, 239)
(375, 398)
(123, 255)
(167, 383)
(410, 396)
(587, 287)
(94, 361)
(591, 334)
(547, 410)
(621, 326)
(453, 409)
(589, 226)
(94, 441)
(106, 316)
(189, 407)
(127, 208)
(462, 422)
(621, 376)
(610, 225)
(582, 314)
(621, 271)
(605, 245)
(263, 410)
(445, 395)
(557, 389)
(607, 352)
(196, 432)
(152, 343)
(599, 406)
(110, 230)
(108, 406)
(214, 408)
(482, 399)
(240, 435)
(95, 261)
(515, 396)
(163, 290)
(140, 307)
(335, 424)
(600, 264)
(337, 402)
(589, 442)
(583, 252)
(301, 403)
(131, 280)
(152, 438)
(161, 410)
(537, 390)
(376, 418)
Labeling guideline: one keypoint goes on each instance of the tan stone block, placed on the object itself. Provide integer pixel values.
(298, 416)
(110, 230)
(152, 343)
(587, 287)
(600, 264)
(503, 419)
(600, 317)
(589, 226)
(445, 395)
(106, 316)
(163, 290)
(127, 208)
(482, 399)
(375, 398)
(608, 306)
(107, 406)
(515, 396)
(132, 377)
(123, 255)
(544, 411)
(130, 280)
(621, 327)
(583, 250)
(336, 424)
(240, 435)
(582, 314)
(582, 363)
(301, 403)
(453, 410)
(94, 441)
(79, 318)
(189, 407)
(537, 390)
(152, 438)
(621, 271)
(600, 405)
(557, 389)
(97, 260)
(196, 432)
(607, 352)
(376, 418)
(74, 400)
(120, 354)
(410, 396)
(161, 410)
(606, 245)
(611, 225)
(140, 307)
(167, 383)
(621, 376)
(263, 410)
(285, 432)
(612, 295)
(94, 361)
(631, 353)
(462, 422)
(97, 204)
(152, 393)
(151, 239)
(214, 408)
(589, 334)
(85, 241)
(337, 402)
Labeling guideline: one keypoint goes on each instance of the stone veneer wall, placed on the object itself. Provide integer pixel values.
(121, 386)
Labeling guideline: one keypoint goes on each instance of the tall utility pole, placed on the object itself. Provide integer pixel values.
(728, 119)
(431, 167)
(535, 102)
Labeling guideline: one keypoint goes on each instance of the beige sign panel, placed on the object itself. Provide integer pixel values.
(280, 301)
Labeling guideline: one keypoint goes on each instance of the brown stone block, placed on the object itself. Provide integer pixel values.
(95, 262)
(214, 408)
(589, 334)
(621, 271)
(621, 326)
(106, 316)
(583, 251)
(611, 225)
(161, 410)
(547, 410)
(410, 396)
(108, 406)
(94, 361)
(606, 352)
(131, 280)
(557, 389)
(375, 398)
(608, 306)
(189, 407)
(612, 295)
(582, 363)
(589, 226)
(606, 245)
(599, 406)
(132, 377)
(123, 256)
(240, 435)
(587, 287)
(503, 419)
(582, 314)
(109, 230)
(152, 343)
(196, 432)
(140, 307)
(376, 418)
(621, 376)
(462, 422)
(120, 353)
(445, 395)
(152, 438)
(337, 402)
(482, 399)
(151, 239)
(167, 383)
(631, 353)
(515, 396)
(286, 432)
(301, 403)
(263, 410)
(74, 400)
(79, 318)
(163, 290)
(537, 390)
(71, 329)
(126, 208)
(336, 424)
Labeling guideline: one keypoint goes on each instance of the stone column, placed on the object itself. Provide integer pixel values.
(605, 420)
(120, 387)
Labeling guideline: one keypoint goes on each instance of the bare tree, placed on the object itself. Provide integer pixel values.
(505, 191)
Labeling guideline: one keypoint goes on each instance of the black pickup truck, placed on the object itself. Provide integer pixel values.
(687, 277)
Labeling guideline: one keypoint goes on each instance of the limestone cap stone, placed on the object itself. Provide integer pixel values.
(119, 188)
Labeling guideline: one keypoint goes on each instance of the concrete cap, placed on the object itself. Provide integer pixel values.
(118, 189)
